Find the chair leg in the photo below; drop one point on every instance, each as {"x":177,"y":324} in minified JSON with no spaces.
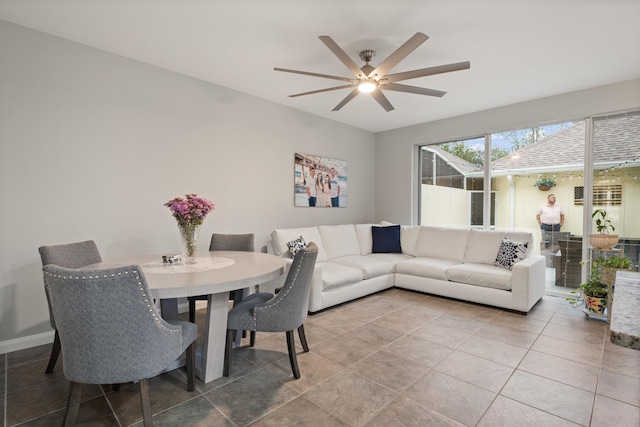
{"x":291,"y":346}
{"x":303,"y":338}
{"x":192,"y":310}
{"x":237,"y":296}
{"x":227,"y":352}
{"x":252,"y":338}
{"x":73,"y":404}
{"x":55,"y":352}
{"x":191,"y":362}
{"x":146,"y":403}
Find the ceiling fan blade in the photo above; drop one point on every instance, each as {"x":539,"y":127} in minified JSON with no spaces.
{"x":413,"y":89}
{"x":382,"y":100}
{"x":399,"y":54}
{"x":348,"y":98}
{"x":342,"y":55}
{"x":321,"y":90}
{"x":428,"y":71}
{"x":307,"y":73}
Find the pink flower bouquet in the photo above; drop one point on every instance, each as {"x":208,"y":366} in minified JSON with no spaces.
{"x":190,"y":211}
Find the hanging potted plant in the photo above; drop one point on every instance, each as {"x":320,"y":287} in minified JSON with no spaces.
{"x":603,"y":239}
{"x":593,"y":293}
{"x":545,"y":184}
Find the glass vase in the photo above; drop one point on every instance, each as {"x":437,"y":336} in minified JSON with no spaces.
{"x":189,"y":236}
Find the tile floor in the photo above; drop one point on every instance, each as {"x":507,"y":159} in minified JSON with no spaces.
{"x":397,"y":358}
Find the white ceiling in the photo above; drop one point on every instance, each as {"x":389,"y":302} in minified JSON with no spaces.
{"x":518,"y":49}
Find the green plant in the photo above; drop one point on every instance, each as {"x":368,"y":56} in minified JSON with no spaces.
{"x":614,"y":262}
{"x":603,"y":224}
{"x":545,"y":182}
{"x":591,"y":288}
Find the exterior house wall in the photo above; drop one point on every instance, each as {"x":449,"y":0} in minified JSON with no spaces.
{"x":528,"y":198}
{"x":453,"y":204}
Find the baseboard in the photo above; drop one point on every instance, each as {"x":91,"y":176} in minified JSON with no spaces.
{"x":26,"y":342}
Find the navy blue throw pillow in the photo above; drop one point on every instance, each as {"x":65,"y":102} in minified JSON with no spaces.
{"x":386,"y":239}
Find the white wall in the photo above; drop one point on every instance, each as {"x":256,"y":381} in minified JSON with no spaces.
{"x":396,"y":185}
{"x":92,"y":145}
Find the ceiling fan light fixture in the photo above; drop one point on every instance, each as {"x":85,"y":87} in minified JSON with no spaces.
{"x":367,"y":86}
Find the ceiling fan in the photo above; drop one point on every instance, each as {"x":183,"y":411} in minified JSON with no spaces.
{"x":372,"y":80}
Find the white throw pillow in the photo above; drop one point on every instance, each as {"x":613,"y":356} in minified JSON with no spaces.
{"x":339,"y":240}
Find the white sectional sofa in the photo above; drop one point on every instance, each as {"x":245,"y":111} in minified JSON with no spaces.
{"x":458,"y":263}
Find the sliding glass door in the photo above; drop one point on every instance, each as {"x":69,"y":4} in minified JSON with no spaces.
{"x":526,"y":166}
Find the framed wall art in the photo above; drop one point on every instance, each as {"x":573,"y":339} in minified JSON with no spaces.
{"x":319,"y":182}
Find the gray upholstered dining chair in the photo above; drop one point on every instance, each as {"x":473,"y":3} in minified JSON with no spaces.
{"x":72,"y":255}
{"x":284,"y":312}
{"x":225,"y":242}
{"x":111,"y":332}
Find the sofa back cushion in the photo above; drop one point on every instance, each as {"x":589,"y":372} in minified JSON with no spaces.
{"x":339,"y":240}
{"x":281,"y":236}
{"x":483,"y":245}
{"x":442,"y":243}
{"x":365,"y":240}
{"x":409,"y":237}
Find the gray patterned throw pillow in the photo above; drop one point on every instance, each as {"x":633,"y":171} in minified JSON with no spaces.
{"x":295,"y":245}
{"x":511,"y":253}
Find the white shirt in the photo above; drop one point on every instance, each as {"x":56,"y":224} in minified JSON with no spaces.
{"x":311,"y":184}
{"x":550,"y":214}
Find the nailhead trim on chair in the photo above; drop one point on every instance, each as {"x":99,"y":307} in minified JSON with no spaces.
{"x":255,"y":321}
{"x":141,"y":288}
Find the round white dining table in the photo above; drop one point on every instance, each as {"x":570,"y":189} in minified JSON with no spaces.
{"x":214,"y":275}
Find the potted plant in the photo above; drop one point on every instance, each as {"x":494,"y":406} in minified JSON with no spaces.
{"x":593,"y":293}
{"x":545,"y":184}
{"x":609,"y":266}
{"x":603,"y":239}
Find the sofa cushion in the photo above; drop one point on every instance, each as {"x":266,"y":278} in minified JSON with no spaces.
{"x":488,"y":276}
{"x":365,"y":240}
{"x":442,"y":243}
{"x":392,"y":258}
{"x":369,"y":266}
{"x":511,"y":253}
{"x":336,"y":275}
{"x":386,"y":239}
{"x":295,"y":246}
{"x":408,"y":238}
{"x":339,"y":240}
{"x":482,"y":246}
{"x":280,"y":237}
{"x":432,"y":268}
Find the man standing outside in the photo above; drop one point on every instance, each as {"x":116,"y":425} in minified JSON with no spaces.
{"x":335,"y":189}
{"x":550,"y":216}
{"x":311,"y":187}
